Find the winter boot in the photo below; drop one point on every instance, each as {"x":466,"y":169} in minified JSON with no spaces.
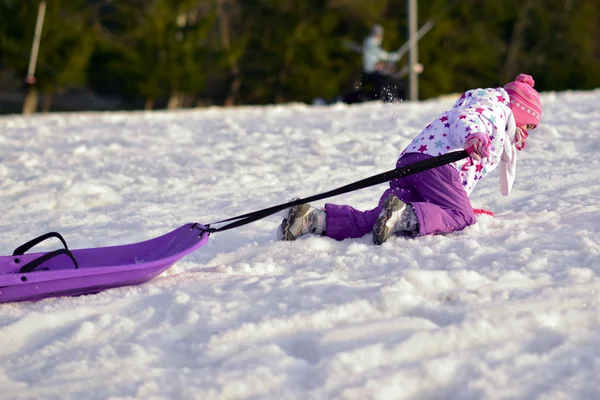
{"x":395,"y":216}
{"x":302,"y":220}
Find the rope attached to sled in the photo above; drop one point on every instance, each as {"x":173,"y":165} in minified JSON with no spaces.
{"x":415,"y":168}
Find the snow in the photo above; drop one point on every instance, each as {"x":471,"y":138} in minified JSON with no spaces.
{"x":507,"y":308}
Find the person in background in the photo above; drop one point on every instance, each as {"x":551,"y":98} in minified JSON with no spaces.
{"x":491,"y":124}
{"x":379,"y":67}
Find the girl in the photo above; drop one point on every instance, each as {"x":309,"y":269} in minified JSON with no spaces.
{"x":490,"y":124}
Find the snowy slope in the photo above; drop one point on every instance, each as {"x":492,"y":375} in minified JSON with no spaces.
{"x":507,"y":308}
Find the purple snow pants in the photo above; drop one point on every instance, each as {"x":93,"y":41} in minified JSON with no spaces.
{"x":436,"y":195}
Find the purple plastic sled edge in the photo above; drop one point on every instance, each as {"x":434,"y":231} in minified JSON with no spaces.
{"x":99,"y":269}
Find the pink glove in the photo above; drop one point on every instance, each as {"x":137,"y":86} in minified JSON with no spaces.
{"x":478,"y":145}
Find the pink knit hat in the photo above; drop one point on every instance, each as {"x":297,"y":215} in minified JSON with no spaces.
{"x":524,"y":100}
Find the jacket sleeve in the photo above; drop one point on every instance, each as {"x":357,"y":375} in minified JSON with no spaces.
{"x":464,"y":124}
{"x":372,"y":55}
{"x":383,"y":55}
{"x":375,"y":51}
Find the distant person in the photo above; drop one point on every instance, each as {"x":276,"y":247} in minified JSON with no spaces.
{"x":491,"y":124}
{"x":378,"y":68}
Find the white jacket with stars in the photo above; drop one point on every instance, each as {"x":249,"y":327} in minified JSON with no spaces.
{"x":477,"y":110}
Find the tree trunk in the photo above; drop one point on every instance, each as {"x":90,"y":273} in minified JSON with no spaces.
{"x":288,"y":59}
{"x":31,"y":101}
{"x":148,"y":104}
{"x":175,"y":100}
{"x":236,"y":82}
{"x":281,"y":78}
{"x":516,"y":42}
{"x":234,"y":89}
{"x":47,"y":102}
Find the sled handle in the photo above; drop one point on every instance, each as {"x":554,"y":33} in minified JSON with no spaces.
{"x":31,"y":266}
{"x":19,"y":251}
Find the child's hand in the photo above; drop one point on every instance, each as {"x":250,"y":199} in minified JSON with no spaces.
{"x":478,"y":145}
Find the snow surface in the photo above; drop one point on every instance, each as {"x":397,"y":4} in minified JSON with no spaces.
{"x":507,"y":308}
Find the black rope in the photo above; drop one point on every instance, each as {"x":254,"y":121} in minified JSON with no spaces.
{"x":417,"y":167}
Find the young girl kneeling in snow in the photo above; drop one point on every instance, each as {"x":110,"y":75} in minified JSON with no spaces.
{"x":490,"y":124}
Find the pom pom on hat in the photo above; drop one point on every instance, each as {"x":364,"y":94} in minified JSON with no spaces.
{"x":524,"y":78}
{"x":524,"y":100}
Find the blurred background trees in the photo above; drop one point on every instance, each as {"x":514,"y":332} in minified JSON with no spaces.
{"x":182,"y":53}
{"x":68,"y":42}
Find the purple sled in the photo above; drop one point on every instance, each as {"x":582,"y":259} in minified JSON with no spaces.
{"x":97,"y":268}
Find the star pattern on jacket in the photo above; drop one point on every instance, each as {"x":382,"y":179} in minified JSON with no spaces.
{"x":477,"y":110}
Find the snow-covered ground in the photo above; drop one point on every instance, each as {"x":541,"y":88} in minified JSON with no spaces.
{"x":507,"y":308}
